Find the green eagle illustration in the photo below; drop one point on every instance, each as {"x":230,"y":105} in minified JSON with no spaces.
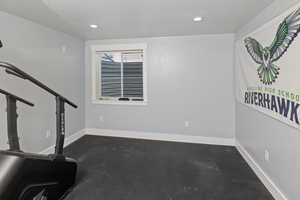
{"x":265,"y":57}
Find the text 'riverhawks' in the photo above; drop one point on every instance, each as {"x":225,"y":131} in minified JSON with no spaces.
{"x":282,"y":106}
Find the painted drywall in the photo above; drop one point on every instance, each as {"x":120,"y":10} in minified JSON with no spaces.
{"x":189,"y":79}
{"x":258,"y":132}
{"x":55,"y":59}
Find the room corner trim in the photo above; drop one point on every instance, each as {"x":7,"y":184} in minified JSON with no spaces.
{"x":264,"y":178}
{"x":161,"y":137}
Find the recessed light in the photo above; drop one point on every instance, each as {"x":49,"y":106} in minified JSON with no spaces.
{"x":197,"y":19}
{"x":94,"y":26}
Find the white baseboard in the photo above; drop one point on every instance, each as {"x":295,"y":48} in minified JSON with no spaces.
{"x":161,"y":137}
{"x":264,"y":178}
{"x":68,"y":140}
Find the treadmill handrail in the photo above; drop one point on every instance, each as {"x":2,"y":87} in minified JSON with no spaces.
{"x":11,"y":69}
{"x":16,"y":97}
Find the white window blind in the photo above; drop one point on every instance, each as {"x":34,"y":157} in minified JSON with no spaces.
{"x":110,"y":73}
{"x":121,"y":75}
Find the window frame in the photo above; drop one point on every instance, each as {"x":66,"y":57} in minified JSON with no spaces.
{"x":95,"y":49}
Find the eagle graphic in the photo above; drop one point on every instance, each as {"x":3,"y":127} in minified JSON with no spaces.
{"x":265,"y":57}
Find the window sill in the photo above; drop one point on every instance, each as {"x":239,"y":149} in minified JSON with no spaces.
{"x":126,"y":103}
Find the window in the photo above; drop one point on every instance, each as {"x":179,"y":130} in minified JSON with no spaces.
{"x":119,"y":74}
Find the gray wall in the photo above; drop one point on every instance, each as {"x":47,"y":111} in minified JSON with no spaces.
{"x":258,"y":132}
{"x":189,"y":79}
{"x":38,"y":51}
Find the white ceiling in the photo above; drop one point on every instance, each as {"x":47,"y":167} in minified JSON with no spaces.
{"x":137,"y":18}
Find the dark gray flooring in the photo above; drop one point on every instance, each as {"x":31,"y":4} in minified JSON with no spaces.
{"x":129,"y":169}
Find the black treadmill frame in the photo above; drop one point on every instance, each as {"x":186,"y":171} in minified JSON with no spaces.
{"x":60,"y":111}
{"x":12,"y":127}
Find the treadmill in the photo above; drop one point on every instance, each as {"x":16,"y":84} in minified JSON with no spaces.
{"x":27,"y":176}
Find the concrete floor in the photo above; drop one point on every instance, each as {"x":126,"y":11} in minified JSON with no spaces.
{"x":129,"y":169}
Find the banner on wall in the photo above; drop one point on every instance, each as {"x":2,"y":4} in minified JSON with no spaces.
{"x":268,"y":68}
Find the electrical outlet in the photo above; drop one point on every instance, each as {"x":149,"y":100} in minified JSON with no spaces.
{"x":267,"y":155}
{"x":186,"y":123}
{"x":48,"y":133}
{"x":101,"y":118}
